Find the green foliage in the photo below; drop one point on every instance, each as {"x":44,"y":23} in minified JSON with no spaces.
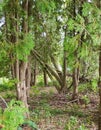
{"x":86,"y":99}
{"x":94,"y":83}
{"x":73,"y":124}
{"x":10,"y":95}
{"x":7,"y":85}
{"x":43,"y":112}
{"x":1,"y":8}
{"x":56,"y":111}
{"x":88,"y":87}
{"x":24,"y":47}
{"x":36,"y":90}
{"x":5,"y":51}
{"x":75,"y":111}
{"x":30,"y":124}
{"x":40,"y":82}
{"x":46,"y":6}
{"x":46,"y":110}
{"x":13,"y":115}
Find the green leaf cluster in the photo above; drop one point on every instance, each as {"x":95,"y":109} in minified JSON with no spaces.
{"x":13,"y":115}
{"x":46,"y":6}
{"x":24,"y":47}
{"x":5,"y":50}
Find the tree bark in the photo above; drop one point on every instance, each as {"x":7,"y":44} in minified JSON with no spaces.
{"x":28,"y":79}
{"x":75,"y":83}
{"x":45,"y":77}
{"x":35,"y":73}
{"x":22,"y":84}
{"x":64,"y":85}
{"x":23,"y":66}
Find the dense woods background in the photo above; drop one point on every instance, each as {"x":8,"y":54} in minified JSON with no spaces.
{"x":52,"y":44}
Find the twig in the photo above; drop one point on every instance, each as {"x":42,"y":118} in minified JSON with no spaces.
{"x":4,"y":101}
{"x":72,"y":101}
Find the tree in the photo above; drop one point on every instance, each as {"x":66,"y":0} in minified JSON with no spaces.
{"x":90,"y":19}
{"x":19,"y":38}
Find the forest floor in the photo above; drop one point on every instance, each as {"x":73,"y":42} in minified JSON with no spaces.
{"x":53,"y":111}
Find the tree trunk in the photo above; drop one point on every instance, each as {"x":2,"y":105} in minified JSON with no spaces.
{"x":45,"y":77}
{"x":23,"y":66}
{"x":48,"y":68}
{"x":76,"y":60}
{"x":18,"y":78}
{"x":64,"y":68}
{"x":28,"y":79}
{"x":22,"y":84}
{"x":18,"y":67}
{"x":55,"y":64}
{"x":64,"y":85}
{"x":34,"y":75}
{"x":75,"y":83}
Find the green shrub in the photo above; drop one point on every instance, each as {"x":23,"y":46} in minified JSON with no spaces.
{"x":7,"y":85}
{"x":94,"y":84}
{"x":86,"y":99}
{"x":13,"y":115}
{"x":90,"y":86}
{"x":9,"y":95}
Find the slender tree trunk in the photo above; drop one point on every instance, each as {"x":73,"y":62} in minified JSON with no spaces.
{"x":64,"y":85}
{"x":77,"y":60}
{"x":28,"y":79}
{"x":17,"y":77}
{"x":45,"y":77}
{"x":75,"y":83}
{"x":64,"y":75}
{"x":34,"y":75}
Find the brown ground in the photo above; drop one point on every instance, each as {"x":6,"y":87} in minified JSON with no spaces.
{"x":85,"y":110}
{"x":54,"y":110}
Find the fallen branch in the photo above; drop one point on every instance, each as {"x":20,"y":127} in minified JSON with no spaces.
{"x":72,"y":101}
